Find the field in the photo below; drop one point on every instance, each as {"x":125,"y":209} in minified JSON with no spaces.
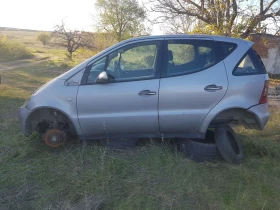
{"x":82,"y":175}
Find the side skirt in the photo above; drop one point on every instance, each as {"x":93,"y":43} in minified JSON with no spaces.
{"x":159,"y":135}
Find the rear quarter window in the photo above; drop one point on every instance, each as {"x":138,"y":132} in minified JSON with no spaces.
{"x":250,"y":64}
{"x":224,"y":49}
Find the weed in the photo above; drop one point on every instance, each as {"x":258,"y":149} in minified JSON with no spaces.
{"x":12,"y":50}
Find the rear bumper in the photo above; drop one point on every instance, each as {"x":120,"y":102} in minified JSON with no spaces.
{"x":23,"y":116}
{"x":262,"y":114}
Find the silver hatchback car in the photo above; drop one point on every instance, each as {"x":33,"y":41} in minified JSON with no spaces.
{"x":156,"y":86}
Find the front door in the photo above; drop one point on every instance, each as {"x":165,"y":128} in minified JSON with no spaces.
{"x":193,"y":83}
{"x":128,"y":103}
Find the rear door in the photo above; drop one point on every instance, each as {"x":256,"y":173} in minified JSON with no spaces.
{"x":192,"y":84}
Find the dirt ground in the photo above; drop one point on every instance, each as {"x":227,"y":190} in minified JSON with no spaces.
{"x":14,"y":64}
{"x":274,"y":101}
{"x":21,"y":63}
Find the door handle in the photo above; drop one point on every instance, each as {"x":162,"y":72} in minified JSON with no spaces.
{"x":146,"y":93}
{"x":213,"y":87}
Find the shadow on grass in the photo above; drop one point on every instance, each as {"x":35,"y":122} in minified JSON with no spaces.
{"x":150,"y":176}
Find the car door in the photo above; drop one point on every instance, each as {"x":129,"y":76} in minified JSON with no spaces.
{"x":128,"y":103}
{"x":193,"y":83}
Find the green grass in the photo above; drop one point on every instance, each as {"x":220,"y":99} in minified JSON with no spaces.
{"x":79,"y":176}
{"x":13,"y":50}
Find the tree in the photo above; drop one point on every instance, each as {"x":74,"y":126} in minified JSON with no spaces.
{"x":121,"y":18}
{"x":225,"y":17}
{"x":72,"y":39}
{"x":177,"y":24}
{"x":44,"y":37}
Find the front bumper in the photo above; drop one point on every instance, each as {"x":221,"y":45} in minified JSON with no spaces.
{"x":262,"y":114}
{"x":23,"y":117}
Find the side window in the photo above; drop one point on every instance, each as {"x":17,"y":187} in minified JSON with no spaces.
{"x":180,"y":53}
{"x":136,"y":61}
{"x":224,"y":49}
{"x":95,"y":69}
{"x":185,"y":57}
{"x":250,"y":64}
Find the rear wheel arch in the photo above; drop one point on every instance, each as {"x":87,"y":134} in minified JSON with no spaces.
{"x":41,"y":117}
{"x":235,"y":116}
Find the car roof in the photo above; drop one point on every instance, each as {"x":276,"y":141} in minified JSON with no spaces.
{"x":185,"y":36}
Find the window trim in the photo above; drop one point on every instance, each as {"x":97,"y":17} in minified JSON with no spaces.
{"x":182,"y":41}
{"x":220,"y":57}
{"x":88,"y":68}
{"x":253,"y":62}
{"x":158,"y":63}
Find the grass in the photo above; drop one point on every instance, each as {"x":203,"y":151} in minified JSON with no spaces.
{"x":13,"y":50}
{"x":156,"y":176}
{"x":80,"y":176}
{"x":16,"y":45}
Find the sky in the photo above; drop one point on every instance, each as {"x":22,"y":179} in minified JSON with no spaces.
{"x":44,"y":15}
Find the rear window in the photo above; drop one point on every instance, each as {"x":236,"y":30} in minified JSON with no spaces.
{"x":250,"y":64}
{"x":224,"y":49}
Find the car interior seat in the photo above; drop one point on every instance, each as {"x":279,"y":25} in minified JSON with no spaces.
{"x":201,"y":61}
{"x":171,"y":64}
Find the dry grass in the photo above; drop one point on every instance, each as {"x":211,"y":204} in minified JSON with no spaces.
{"x":13,"y":50}
{"x":27,"y":40}
{"x":156,"y":176}
{"x":87,"y":176}
{"x":274,"y":80}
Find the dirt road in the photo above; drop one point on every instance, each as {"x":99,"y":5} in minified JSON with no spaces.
{"x":14,"y":64}
{"x":21,"y":63}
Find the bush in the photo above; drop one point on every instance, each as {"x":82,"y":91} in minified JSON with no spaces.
{"x":12,"y":50}
{"x":44,"y":37}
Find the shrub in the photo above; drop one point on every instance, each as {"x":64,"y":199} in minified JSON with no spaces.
{"x":44,"y":37}
{"x":12,"y":50}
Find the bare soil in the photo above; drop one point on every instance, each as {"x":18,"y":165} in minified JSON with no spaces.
{"x":21,"y":63}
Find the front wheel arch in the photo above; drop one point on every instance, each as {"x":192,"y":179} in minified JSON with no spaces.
{"x":45,"y":115}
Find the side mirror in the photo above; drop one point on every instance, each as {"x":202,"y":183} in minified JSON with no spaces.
{"x":102,"y":78}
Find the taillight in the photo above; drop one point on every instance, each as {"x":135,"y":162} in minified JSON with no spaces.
{"x":263,"y":98}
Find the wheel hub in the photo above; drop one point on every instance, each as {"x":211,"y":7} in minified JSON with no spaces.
{"x":54,"y":138}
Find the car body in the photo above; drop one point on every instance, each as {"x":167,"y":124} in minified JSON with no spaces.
{"x":155,"y":86}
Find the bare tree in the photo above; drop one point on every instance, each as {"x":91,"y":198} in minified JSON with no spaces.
{"x":227,"y":17}
{"x":72,"y":39}
{"x":178,"y":24}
